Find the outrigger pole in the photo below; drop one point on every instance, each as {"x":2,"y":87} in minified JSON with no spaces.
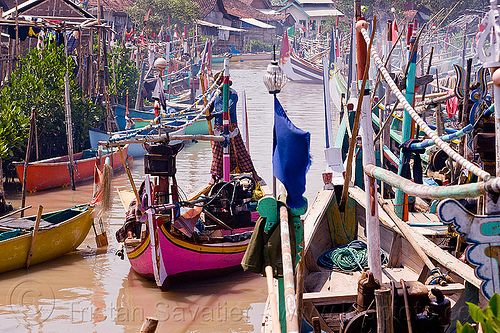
{"x":226,"y":157}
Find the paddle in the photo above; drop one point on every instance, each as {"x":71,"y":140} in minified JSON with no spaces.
{"x":33,"y":235}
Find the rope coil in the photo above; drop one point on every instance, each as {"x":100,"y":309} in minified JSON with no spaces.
{"x":420,"y":122}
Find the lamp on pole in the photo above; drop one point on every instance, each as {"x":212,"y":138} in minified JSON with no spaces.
{"x":274,"y":80}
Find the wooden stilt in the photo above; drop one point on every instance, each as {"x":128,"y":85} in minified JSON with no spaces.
{"x":27,"y":159}
{"x":383,"y":300}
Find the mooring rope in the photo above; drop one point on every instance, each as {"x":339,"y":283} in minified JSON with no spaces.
{"x":420,"y":122}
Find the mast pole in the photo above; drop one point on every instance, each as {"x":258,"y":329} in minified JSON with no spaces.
{"x":226,"y":160}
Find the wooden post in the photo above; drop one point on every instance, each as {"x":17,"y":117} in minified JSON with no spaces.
{"x":138,"y":98}
{"x":464,"y":50}
{"x":383,"y":300}
{"x":245,"y":120}
{"x":205,"y":102}
{"x":129,"y":175}
{"x":292,"y":320}
{"x":33,"y":235}
{"x":401,"y":203}
{"x":69,"y":132}
{"x":27,"y":158}
{"x":372,"y":220}
{"x":273,"y":302}
{"x":17,"y":45}
{"x":226,"y":161}
{"x":149,"y":325}
{"x":385,"y":132}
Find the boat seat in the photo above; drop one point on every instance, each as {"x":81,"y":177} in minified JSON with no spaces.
{"x":24,"y":224}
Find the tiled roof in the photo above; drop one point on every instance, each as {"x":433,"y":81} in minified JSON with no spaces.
{"x":117,"y":6}
{"x":206,"y":7}
{"x":240,"y":9}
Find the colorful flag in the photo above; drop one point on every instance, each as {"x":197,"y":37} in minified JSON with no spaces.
{"x":285,"y":49}
{"x":395,"y":32}
{"x":291,"y":159}
{"x":146,"y":18}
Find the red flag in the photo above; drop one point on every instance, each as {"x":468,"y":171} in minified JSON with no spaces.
{"x":395,"y":32}
{"x":146,"y":18}
{"x":285,"y":48}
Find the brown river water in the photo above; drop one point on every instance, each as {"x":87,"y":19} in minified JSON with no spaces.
{"x":93,"y":290}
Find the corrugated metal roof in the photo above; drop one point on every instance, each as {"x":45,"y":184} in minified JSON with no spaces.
{"x":218,"y":26}
{"x":322,"y":11}
{"x":257,"y":23}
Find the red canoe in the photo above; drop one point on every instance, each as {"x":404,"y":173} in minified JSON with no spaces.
{"x":53,"y":172}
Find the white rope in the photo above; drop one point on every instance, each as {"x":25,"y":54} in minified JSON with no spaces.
{"x":423,"y":126}
{"x":202,"y":112}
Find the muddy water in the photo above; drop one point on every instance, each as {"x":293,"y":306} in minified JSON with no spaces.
{"x":94,"y":290}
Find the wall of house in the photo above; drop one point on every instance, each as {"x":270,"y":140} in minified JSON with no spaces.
{"x":217,"y":17}
{"x":267,"y":36}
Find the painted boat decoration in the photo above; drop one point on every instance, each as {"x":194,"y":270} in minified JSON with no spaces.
{"x":60,"y":232}
{"x":53,"y":172}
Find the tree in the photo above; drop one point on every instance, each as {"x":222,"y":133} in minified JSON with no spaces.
{"x":162,"y":12}
{"x":126,"y":74}
{"x":13,"y":133}
{"x":39,"y":82}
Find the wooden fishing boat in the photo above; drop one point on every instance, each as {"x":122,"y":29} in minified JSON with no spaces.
{"x":60,"y":232}
{"x":187,"y":257}
{"x":134,"y":149}
{"x":251,"y":56}
{"x":53,"y":172}
{"x":296,"y":68}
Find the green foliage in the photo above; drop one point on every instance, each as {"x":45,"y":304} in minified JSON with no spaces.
{"x":14,"y":127}
{"x":489,"y":317}
{"x":127,"y":75}
{"x":39,"y":82}
{"x":181,"y":12}
{"x":258,"y":46}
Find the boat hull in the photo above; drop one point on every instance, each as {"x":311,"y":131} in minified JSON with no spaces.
{"x":300,"y":70}
{"x":54,"y":172}
{"x":50,"y":243}
{"x":181,"y":257}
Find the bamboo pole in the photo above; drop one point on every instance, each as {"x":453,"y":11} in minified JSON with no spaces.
{"x":292,"y":320}
{"x":15,"y":212}
{"x":372,"y":220}
{"x":226,"y":162}
{"x":205,"y":102}
{"x":355,"y":128}
{"x":33,"y":235}
{"x":69,"y":132}
{"x":27,"y":159}
{"x":273,"y":303}
{"x":165,"y":137}
{"x":129,"y":175}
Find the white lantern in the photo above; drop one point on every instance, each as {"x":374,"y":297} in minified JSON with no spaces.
{"x":274,"y":79}
{"x":160,"y":64}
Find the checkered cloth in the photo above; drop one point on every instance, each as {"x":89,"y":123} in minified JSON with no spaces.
{"x":238,"y":154}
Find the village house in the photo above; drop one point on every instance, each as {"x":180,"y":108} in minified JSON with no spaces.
{"x":237,"y":23}
{"x":309,"y":15}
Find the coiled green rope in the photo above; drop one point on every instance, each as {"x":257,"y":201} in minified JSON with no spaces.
{"x":349,"y":258}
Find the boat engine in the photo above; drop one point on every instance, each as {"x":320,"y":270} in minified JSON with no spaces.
{"x":232,"y":202}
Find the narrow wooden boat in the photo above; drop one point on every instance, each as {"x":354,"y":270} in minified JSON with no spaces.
{"x":134,"y":149}
{"x":53,"y":172}
{"x":249,"y":56}
{"x":296,"y":68}
{"x":186,"y":257}
{"x":60,"y":232}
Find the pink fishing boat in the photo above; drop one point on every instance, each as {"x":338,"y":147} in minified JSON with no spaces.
{"x":207,"y":237}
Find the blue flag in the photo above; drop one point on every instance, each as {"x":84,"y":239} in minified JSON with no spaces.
{"x":291,"y":159}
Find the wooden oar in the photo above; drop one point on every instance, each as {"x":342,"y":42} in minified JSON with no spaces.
{"x":33,"y":235}
{"x":129,"y":175}
{"x":15,"y":212}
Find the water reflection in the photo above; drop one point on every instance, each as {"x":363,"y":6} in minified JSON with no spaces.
{"x":94,"y":291}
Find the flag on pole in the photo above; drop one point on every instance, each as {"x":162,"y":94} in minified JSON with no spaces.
{"x":291,"y":159}
{"x":395,"y":32}
{"x":146,"y":17}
